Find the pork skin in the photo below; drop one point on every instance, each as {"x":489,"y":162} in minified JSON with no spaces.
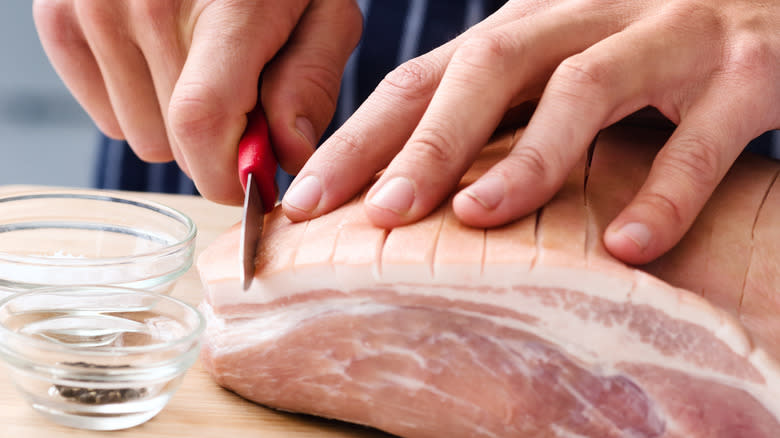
{"x":528,"y":330}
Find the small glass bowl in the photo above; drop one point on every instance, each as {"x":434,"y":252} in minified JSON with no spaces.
{"x":100,"y":358}
{"x":89,"y":238}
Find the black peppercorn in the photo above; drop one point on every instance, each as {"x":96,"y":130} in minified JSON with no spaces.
{"x":98,"y":396}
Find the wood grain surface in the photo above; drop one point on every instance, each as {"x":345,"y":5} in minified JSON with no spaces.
{"x":199,"y":408}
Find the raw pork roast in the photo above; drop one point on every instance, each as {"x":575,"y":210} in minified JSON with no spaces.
{"x":528,"y":330}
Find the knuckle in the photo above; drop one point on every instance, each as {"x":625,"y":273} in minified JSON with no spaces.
{"x":432,"y":145}
{"x":324,"y":81}
{"x":579,"y":72}
{"x":194,"y":109}
{"x":53,"y":16}
{"x":347,"y":144}
{"x":155,"y":20}
{"x":344,"y":17}
{"x":485,"y":51}
{"x":98,"y":17}
{"x":529,"y":161}
{"x":689,"y":15}
{"x":277,"y":32}
{"x":696,"y":159}
{"x":151,"y":10}
{"x":412,"y":80}
{"x":754,"y":57}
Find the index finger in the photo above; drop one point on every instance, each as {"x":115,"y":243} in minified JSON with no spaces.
{"x":486,"y":74}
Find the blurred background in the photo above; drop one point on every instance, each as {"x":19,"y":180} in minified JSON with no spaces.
{"x":45,"y":136}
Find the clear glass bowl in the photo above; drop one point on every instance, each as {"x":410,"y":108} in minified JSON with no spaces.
{"x":88,"y":238}
{"x":101,"y":358}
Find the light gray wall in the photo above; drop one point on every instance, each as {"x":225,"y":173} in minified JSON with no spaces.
{"x":45,"y":136}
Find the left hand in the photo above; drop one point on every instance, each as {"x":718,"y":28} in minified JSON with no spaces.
{"x":176,"y":78}
{"x":710,"y":66}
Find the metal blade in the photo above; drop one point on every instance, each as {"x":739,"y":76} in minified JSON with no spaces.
{"x":251,"y":230}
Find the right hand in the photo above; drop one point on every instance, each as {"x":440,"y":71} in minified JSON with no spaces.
{"x":710,"y":67}
{"x":176,"y":78}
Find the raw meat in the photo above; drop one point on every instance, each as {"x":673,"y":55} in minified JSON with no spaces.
{"x":528,"y":330}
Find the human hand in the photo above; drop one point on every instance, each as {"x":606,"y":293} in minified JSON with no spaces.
{"x":710,"y":67}
{"x":176,"y":78}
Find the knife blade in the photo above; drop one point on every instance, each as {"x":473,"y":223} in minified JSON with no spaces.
{"x":257,"y":171}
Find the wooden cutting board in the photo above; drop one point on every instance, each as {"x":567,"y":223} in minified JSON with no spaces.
{"x":199,"y":408}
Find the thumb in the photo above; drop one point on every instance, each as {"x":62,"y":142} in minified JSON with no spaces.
{"x":228,"y":45}
{"x":300,"y":86}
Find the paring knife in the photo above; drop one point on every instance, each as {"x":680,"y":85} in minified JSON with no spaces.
{"x":257,"y":171}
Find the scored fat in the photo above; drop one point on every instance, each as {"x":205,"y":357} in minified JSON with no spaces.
{"x":527,"y":330}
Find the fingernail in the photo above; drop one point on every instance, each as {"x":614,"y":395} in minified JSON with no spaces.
{"x":305,"y":195}
{"x":638,"y":233}
{"x":306,"y":129}
{"x":488,"y":191}
{"x":397,"y":195}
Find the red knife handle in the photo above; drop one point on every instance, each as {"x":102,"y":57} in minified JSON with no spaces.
{"x":255,"y":156}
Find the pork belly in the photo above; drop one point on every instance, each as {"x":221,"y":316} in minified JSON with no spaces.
{"x":527,"y":330}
